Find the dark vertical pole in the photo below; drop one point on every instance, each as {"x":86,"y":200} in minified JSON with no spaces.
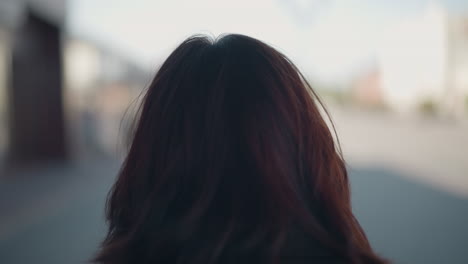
{"x":37,"y":130}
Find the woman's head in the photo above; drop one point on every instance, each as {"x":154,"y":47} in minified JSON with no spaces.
{"x":230,"y":153}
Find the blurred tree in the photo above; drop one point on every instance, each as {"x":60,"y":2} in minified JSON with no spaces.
{"x":428,"y":107}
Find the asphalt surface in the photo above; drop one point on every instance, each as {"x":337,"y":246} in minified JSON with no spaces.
{"x":54,"y":215}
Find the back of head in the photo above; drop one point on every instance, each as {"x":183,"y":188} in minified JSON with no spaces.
{"x":229,"y":159}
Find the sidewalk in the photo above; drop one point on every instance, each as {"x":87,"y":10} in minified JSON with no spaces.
{"x":29,"y":195}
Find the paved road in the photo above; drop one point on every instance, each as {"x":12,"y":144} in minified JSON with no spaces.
{"x":59,"y":219}
{"x":409,"y":222}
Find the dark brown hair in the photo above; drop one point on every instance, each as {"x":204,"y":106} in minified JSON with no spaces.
{"x":230,"y":155}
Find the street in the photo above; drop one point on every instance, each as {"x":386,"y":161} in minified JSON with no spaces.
{"x":54,"y":214}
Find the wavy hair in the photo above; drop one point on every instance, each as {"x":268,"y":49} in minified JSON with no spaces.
{"x":231,"y":162}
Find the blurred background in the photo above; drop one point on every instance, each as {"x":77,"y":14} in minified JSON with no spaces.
{"x":394,"y":75}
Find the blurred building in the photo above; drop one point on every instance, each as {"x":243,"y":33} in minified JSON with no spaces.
{"x":32,"y":109}
{"x":59,"y":94}
{"x":367,"y":90}
{"x":456,"y":93}
{"x":423,"y":59}
{"x":101,"y":85}
{"x":4,"y":61}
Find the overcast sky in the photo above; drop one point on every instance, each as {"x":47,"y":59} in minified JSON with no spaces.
{"x":327,"y":38}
